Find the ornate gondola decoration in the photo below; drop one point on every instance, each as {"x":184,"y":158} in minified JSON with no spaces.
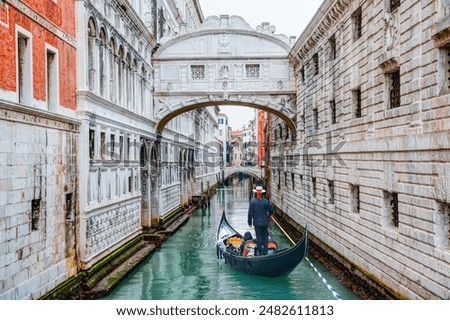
{"x":239,"y":253}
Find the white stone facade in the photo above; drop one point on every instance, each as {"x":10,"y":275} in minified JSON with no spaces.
{"x":38,"y":200}
{"x":372,"y":86}
{"x":132,"y":173}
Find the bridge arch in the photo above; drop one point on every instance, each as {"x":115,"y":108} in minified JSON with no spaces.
{"x":255,"y":172}
{"x":224,"y":62}
{"x":259,"y":103}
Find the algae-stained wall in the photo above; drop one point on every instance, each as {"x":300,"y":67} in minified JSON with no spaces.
{"x":370,"y":171}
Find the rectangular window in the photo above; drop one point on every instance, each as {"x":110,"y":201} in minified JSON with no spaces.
{"x":121,"y":146}
{"x":330,"y":192}
{"x":394,"y":89}
{"x":357,"y":24}
{"x":354,"y":199}
{"x":198,"y":72}
{"x":315,"y":59}
{"x":315,"y":119}
{"x":392,"y":201}
{"x":443,"y":70}
{"x":69,"y":206}
{"x":130,"y":184}
{"x":35,"y":213}
{"x":52,"y":81}
{"x":302,"y":74}
{"x":293,"y":181}
{"x":252,"y":71}
{"x":301,"y":182}
{"x":91,"y":144}
{"x":24,"y":69}
{"x":332,"y":111}
{"x":279,"y":180}
{"x":356,"y":103}
{"x":103,"y":144}
{"x":313,"y":187}
{"x":112,"y":148}
{"x":127,"y":149}
{"x":443,"y":225}
{"x":332,"y":45}
{"x":394,"y":4}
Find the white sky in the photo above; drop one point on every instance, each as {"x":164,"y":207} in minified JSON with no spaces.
{"x":290,"y":17}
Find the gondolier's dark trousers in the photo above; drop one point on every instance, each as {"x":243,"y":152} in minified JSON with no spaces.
{"x":262,"y":238}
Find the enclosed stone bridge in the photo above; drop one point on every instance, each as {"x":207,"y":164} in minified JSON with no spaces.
{"x":224,"y":62}
{"x":249,"y":170}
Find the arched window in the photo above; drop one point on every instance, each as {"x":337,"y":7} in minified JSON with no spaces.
{"x":92,"y":32}
{"x":112,"y":70}
{"x":128,"y":93}
{"x":102,"y":62}
{"x":120,"y":75}
{"x":133,"y":85}
{"x":143,"y":89}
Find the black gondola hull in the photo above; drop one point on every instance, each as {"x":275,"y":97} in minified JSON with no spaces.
{"x":281,"y":262}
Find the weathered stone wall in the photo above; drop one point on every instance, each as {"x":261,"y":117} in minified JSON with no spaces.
{"x":383,"y":200}
{"x":38,"y":201}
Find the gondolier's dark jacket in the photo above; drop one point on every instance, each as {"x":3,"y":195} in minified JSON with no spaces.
{"x":259,"y":211}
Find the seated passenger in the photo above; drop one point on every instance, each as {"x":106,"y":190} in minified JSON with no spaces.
{"x":248,"y":236}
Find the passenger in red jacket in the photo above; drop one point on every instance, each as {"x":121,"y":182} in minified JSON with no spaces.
{"x":258,"y":215}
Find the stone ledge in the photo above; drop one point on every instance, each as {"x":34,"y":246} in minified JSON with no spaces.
{"x":107,"y":284}
{"x":19,"y":113}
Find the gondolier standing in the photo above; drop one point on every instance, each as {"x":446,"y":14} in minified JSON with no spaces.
{"x":258,"y":215}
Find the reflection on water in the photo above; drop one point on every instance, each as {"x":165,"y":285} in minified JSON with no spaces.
{"x":186,"y":265}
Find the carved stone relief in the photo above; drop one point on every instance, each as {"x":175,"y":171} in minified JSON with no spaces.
{"x":390,"y":31}
{"x":224,"y":44}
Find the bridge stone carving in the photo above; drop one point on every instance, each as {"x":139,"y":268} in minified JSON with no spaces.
{"x":224,"y":62}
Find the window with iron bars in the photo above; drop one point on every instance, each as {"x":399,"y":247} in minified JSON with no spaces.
{"x":394,"y":4}
{"x":443,"y":225}
{"x":392,"y":199}
{"x":354,"y":199}
{"x":35,"y":213}
{"x":313,"y":186}
{"x":333,"y":111}
{"x":394,"y":89}
{"x":330,"y":192}
{"x":315,"y":119}
{"x":357,"y":24}
{"x":357,"y":102}
{"x":332,"y":44}
{"x":447,"y":65}
{"x":302,"y":74}
{"x":315,"y":60}
{"x":252,"y":71}
{"x":197,"y":72}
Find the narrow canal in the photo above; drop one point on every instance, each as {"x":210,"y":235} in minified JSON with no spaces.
{"x":186,"y":266}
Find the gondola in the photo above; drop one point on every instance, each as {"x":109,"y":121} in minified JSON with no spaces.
{"x":240,"y":255}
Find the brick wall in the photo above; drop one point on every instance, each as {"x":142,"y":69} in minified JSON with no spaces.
{"x":46,"y":27}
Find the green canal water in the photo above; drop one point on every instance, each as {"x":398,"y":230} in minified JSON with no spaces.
{"x":186,"y":266}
